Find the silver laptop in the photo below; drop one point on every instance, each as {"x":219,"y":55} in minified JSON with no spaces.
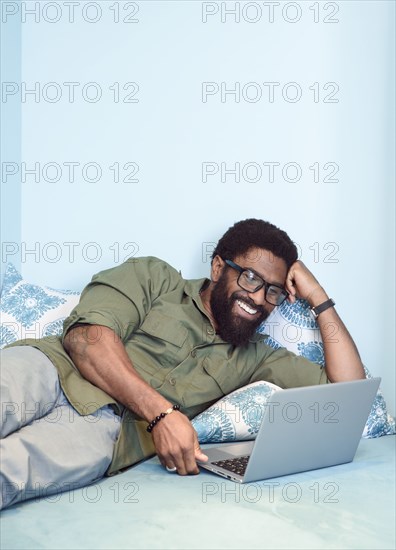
{"x":302,"y":429}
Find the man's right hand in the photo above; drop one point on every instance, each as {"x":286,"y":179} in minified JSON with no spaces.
{"x":176,"y":443}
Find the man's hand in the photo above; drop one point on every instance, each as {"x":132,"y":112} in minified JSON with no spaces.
{"x":177,"y":444}
{"x":300,"y":283}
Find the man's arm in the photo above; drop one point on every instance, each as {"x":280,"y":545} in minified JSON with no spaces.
{"x":101,"y":358}
{"x":341,"y":355}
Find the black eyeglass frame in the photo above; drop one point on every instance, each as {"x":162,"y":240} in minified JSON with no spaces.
{"x":264,"y":283}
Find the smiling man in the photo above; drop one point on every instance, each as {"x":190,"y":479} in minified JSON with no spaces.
{"x":144,"y":352}
{"x":237,"y":315}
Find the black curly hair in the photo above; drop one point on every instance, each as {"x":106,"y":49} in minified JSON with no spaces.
{"x":252,"y":233}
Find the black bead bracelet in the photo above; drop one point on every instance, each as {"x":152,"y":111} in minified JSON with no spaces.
{"x":161,"y":416}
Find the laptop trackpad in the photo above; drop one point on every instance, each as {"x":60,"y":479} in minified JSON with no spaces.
{"x":227,"y":451}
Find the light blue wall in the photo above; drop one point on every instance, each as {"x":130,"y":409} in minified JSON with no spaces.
{"x":10,"y":142}
{"x":345,"y":228}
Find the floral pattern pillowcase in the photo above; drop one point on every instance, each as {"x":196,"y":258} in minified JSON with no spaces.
{"x":32,"y":311}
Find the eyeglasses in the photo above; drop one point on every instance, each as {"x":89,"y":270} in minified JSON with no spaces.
{"x":251,"y":282}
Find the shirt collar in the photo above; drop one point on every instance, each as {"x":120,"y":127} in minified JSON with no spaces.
{"x":193,"y":288}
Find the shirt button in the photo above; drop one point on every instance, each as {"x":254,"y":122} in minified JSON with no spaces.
{"x":193,"y":353}
{"x":210,"y":330}
{"x":172,"y":381}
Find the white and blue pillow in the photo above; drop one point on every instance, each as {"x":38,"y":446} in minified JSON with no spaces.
{"x":235,"y":417}
{"x":292,"y":326}
{"x":32,"y":311}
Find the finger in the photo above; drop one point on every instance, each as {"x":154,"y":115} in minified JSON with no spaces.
{"x":200,"y":456}
{"x":169,"y":465}
{"x":198,"y":453}
{"x":166,"y":460}
{"x":291,"y":289}
{"x":177,"y":460}
{"x":189,"y":462}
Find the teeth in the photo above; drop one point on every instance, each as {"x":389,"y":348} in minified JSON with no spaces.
{"x":245,"y":307}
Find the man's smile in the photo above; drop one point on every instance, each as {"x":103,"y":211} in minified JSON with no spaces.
{"x":245,"y":307}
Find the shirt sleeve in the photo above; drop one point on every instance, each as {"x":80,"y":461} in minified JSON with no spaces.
{"x":120,"y":298}
{"x":287,"y":370}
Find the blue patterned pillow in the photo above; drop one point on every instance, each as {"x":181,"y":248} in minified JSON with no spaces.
{"x":236,"y":416}
{"x":32,"y":311}
{"x":292,"y":326}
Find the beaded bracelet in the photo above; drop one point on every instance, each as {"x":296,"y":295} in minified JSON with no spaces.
{"x":162,"y":415}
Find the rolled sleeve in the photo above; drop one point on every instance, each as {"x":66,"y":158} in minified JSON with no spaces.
{"x":120,"y":298}
{"x":105,"y":306}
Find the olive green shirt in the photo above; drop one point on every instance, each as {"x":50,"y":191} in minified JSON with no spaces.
{"x":160,"y":318}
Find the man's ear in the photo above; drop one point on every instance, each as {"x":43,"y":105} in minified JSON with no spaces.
{"x":217,"y":268}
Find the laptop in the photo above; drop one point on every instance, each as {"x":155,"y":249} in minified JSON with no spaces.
{"x":302,"y":429}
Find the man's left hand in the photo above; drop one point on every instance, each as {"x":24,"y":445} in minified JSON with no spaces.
{"x":300,"y":283}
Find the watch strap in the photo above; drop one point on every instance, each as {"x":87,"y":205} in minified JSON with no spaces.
{"x":322,"y":307}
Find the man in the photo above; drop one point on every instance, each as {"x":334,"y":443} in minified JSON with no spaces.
{"x":152,"y":349}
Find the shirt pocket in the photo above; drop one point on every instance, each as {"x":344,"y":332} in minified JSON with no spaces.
{"x":164,"y":337}
{"x":223,"y":373}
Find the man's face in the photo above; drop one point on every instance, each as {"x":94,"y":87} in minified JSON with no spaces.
{"x":237,"y":312}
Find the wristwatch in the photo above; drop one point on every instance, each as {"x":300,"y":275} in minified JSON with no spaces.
{"x":317,"y":310}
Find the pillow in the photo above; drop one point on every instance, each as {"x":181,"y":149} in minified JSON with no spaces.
{"x":292,"y":326}
{"x":237,"y":416}
{"x":32,"y":311}
{"x":379,"y":421}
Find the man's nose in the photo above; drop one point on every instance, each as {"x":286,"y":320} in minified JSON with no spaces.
{"x":258,"y":297}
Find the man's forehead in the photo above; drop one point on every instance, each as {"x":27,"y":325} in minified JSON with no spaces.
{"x":264,"y":263}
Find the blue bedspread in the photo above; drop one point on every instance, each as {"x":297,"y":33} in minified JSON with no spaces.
{"x":351,"y":506}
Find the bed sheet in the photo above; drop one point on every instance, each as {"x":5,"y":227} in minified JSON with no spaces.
{"x":351,"y":506}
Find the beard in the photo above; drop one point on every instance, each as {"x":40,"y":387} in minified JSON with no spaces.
{"x":232,"y":328}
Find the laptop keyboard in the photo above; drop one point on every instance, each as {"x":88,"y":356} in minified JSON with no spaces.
{"x":235,"y":465}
